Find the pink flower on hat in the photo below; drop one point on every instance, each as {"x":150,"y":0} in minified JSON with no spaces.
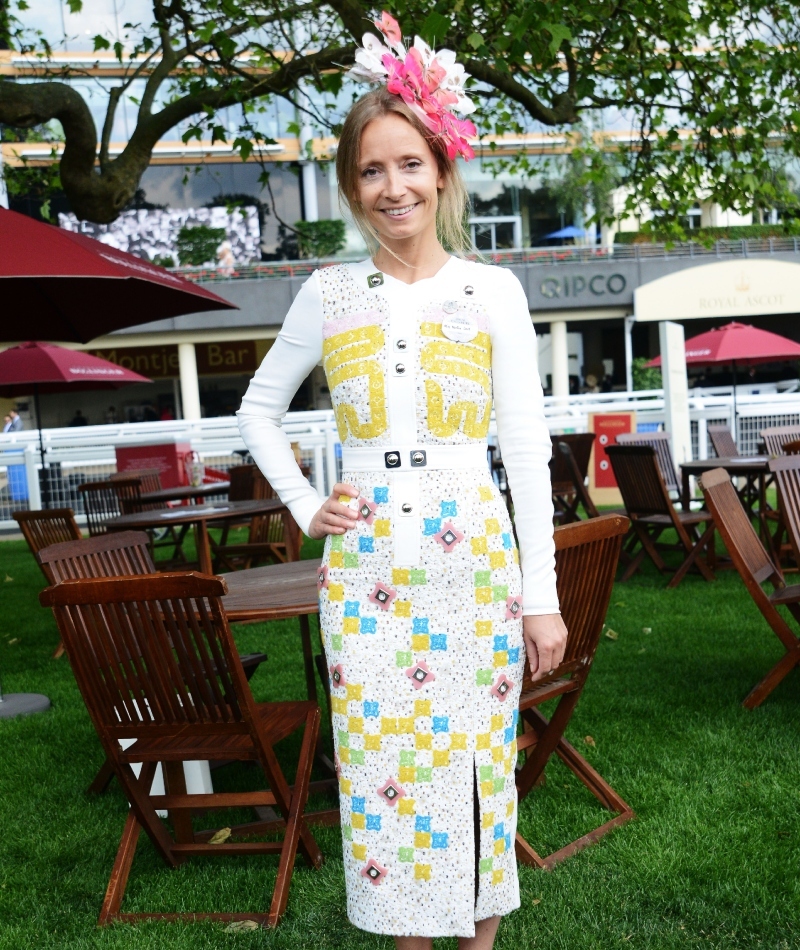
{"x":431,"y":83}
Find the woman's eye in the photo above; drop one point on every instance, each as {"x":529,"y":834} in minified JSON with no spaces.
{"x":413,"y":166}
{"x":369,"y":173}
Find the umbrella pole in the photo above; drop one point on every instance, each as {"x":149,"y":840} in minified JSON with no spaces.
{"x":45,"y":478}
{"x":735,"y":421}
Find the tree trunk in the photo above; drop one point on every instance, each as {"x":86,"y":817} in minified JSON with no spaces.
{"x":94,"y":194}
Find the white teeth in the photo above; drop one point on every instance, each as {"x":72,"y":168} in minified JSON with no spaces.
{"x":396,"y":211}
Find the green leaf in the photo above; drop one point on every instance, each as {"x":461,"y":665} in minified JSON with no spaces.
{"x":475,"y":40}
{"x":100,"y":42}
{"x":118,"y":50}
{"x":559,"y":33}
{"x":75,"y":6}
{"x":434,"y":28}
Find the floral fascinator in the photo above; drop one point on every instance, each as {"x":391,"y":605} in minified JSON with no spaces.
{"x":430,"y":83}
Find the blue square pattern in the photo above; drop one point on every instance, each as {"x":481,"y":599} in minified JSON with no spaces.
{"x":441,"y":724}
{"x":508,"y":842}
{"x":438,"y":839}
{"x":515,"y":718}
{"x":438,"y":641}
{"x":371,"y":709}
{"x":506,"y":540}
{"x":366,"y":545}
{"x":423,"y":823}
{"x":449,"y":509}
{"x":499,"y":830}
{"x":373,"y":822}
{"x":432,"y":525}
{"x":508,"y":734}
{"x":500,"y":643}
{"x":419,"y":625}
{"x":351,"y":608}
{"x":513,"y":656}
{"x":380,"y":495}
{"x":369,"y":624}
{"x":357,"y":805}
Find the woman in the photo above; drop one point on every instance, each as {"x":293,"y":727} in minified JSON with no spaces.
{"x":424,"y":619}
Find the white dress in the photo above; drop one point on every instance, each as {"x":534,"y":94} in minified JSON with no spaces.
{"x":421,"y":602}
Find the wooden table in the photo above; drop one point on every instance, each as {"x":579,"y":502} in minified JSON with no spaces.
{"x":752,"y":467}
{"x":277,"y":592}
{"x":199,"y":516}
{"x":185,"y":492}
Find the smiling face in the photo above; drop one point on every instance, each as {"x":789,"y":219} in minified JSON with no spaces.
{"x":398,"y":181}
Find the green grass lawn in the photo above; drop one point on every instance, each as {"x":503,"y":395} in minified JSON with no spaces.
{"x":712,"y":860}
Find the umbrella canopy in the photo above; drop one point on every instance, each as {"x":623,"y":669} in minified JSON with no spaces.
{"x":67,"y":286}
{"x":570,"y":231}
{"x":737,"y":343}
{"x":45,"y":368}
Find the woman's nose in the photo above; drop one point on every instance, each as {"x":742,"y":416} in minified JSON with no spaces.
{"x":395,"y":186}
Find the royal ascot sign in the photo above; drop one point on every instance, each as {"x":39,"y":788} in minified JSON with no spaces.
{"x":576,"y":286}
{"x":735,"y":289}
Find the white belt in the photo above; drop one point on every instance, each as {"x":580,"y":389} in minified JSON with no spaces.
{"x":406,"y":462}
{"x":414,"y":458}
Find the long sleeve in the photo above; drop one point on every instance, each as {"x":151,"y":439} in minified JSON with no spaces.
{"x":524,"y":441}
{"x":293,"y":355}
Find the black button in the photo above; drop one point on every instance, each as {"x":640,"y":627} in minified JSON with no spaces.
{"x":392,"y":459}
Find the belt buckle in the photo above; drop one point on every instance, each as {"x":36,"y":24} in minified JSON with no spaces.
{"x":419,"y":458}
{"x":391,"y":459}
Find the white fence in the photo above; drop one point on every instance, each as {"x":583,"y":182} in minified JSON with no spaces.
{"x":84,"y":454}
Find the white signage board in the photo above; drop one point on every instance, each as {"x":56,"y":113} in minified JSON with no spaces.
{"x":730,"y":289}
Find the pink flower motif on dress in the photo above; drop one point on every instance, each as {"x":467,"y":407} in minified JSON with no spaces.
{"x":420,"y":675}
{"x":449,"y":536}
{"x":337,"y":676}
{"x":391,"y":791}
{"x":373,"y":871}
{"x":322,"y":577}
{"x":513,"y":607}
{"x":366,"y":510}
{"x":382,"y":596}
{"x":502,"y":687}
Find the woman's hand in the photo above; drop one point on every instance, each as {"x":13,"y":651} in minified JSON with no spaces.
{"x":545,"y":642}
{"x":334,"y":517}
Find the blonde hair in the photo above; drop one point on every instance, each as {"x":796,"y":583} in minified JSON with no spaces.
{"x":453,"y":197}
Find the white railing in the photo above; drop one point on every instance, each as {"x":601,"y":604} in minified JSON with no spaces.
{"x":87,"y":453}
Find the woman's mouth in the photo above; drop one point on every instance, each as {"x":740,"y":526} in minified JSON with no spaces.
{"x":395,"y":213}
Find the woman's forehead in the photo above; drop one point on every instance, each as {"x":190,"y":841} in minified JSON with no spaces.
{"x":390,"y":135}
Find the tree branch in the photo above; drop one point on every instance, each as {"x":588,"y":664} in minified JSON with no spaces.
{"x":563,"y":110}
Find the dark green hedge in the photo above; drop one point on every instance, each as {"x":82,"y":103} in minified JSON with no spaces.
{"x":746,"y":232}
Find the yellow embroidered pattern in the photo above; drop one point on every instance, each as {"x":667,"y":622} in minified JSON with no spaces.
{"x":471,"y":361}
{"x":346,"y":356}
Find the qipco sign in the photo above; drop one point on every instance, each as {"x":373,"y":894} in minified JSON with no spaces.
{"x":600,"y":285}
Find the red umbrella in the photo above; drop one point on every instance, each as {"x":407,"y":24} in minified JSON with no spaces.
{"x":44,"y":368}
{"x":66,"y":286}
{"x":737,"y":343}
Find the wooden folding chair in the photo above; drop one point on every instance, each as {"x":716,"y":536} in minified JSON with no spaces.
{"x":755,"y":567}
{"x":586,"y":560}
{"x":722,"y":441}
{"x":651,"y":512}
{"x":100,"y":503}
{"x":115,"y":554}
{"x":776,"y":437}
{"x":184,"y":697}
{"x":569,"y":482}
{"x":659,"y":442}
{"x":42,"y":528}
